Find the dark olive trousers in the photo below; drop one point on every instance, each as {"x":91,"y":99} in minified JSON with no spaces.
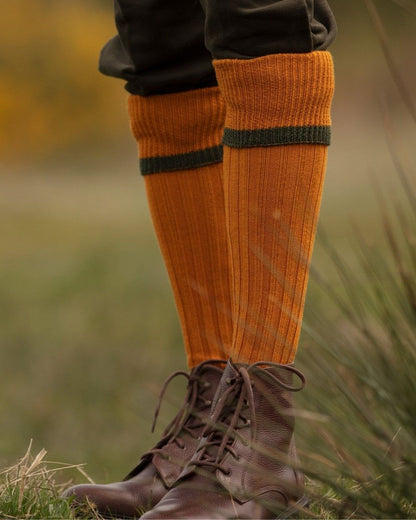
{"x":168,"y":45}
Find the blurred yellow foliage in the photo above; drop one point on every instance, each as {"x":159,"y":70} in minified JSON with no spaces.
{"x":54,"y":102}
{"x":51,"y":95}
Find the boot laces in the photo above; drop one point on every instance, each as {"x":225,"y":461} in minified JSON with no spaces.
{"x":189,"y":416}
{"x":230,"y":415}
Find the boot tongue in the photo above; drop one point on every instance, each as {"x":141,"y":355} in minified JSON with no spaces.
{"x":229,"y":373}
{"x":221,"y":399}
{"x":208,"y":446}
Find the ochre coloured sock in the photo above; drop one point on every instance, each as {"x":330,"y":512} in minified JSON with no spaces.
{"x":276,"y":135}
{"x":179,"y":137}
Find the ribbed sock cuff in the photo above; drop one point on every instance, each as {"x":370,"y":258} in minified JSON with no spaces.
{"x":178,"y":131}
{"x":277,"y":99}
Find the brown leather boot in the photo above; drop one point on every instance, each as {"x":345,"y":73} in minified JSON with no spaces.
{"x":160,"y":467}
{"x":245,"y":464}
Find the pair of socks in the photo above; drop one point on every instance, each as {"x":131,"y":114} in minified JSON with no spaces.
{"x":234,"y":178}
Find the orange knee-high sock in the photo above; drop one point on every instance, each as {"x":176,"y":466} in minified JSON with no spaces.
{"x":179,"y":137}
{"x":276,"y":134}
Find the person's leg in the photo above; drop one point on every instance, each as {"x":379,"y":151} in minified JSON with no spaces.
{"x":278,"y":89}
{"x":276,"y":136}
{"x":177,"y":116}
{"x":246,"y":29}
{"x":159,"y":47}
{"x":179,"y":138}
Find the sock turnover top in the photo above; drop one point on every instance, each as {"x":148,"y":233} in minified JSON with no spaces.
{"x":178,"y":131}
{"x":277,"y":99}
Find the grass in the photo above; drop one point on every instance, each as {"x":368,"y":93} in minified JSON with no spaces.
{"x":356,"y":429}
{"x":356,"y":426}
{"x":362,"y":375}
{"x":89,"y":330}
{"x":85,"y":313}
{"x":29,"y":489}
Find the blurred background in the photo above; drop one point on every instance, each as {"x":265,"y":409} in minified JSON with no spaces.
{"x":88,"y":329}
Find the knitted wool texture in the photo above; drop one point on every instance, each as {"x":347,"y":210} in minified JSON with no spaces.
{"x":179,"y":137}
{"x":276,"y":134}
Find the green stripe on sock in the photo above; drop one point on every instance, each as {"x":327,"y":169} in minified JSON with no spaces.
{"x":183,"y":161}
{"x":277,"y":136}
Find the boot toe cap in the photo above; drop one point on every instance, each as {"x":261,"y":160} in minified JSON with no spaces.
{"x":108,"y":499}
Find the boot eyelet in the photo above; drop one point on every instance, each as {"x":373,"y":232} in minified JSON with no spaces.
{"x":227,"y":472}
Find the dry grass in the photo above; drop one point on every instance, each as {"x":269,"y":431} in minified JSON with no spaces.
{"x":31,"y":489}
